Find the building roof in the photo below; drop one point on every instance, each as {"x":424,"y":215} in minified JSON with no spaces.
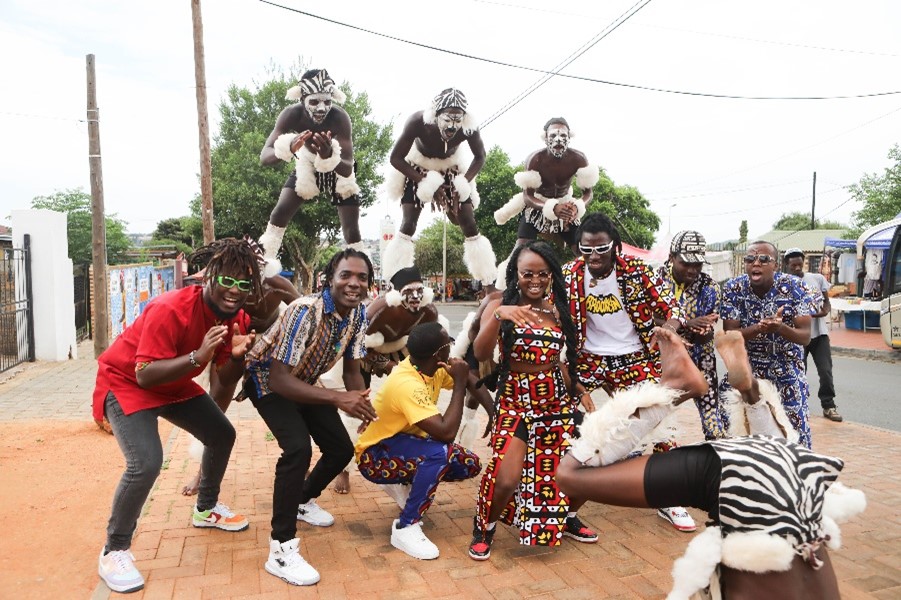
{"x":808,"y":240}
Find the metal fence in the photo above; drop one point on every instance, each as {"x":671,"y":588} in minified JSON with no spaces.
{"x":16,"y":317}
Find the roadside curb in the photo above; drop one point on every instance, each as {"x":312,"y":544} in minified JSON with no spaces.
{"x":889,"y":356}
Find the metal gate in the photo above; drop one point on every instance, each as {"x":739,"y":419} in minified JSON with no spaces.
{"x":16,"y":316}
{"x":81,"y":286}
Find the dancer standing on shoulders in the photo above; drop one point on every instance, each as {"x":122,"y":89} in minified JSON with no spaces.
{"x":315,"y":136}
{"x":430,"y":168}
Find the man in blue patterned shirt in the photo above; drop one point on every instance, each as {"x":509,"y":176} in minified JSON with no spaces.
{"x":772,"y":311}
{"x":284,"y":365}
{"x":699,"y":298}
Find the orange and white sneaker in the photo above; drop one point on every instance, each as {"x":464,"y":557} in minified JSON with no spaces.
{"x":678,"y":518}
{"x":220,"y":517}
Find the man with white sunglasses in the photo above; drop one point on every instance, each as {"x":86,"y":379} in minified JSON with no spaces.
{"x":613,"y":299}
{"x":772,"y":311}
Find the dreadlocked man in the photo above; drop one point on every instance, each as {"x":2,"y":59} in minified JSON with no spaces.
{"x":315,"y":136}
{"x":148,"y":373}
{"x":431,"y":168}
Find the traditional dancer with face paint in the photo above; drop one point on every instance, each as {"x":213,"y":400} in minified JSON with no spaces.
{"x":431,"y":168}
{"x":546,"y":202}
{"x":315,"y":136}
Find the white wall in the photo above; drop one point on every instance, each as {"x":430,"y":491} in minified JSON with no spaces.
{"x":52,"y":288}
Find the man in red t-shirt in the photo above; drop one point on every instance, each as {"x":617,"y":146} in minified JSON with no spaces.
{"x":148,"y":373}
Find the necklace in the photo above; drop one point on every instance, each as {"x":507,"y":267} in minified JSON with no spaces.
{"x":593,"y":281}
{"x":539,"y":309}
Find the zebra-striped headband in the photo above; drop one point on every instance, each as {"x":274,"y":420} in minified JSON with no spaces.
{"x":449,"y":98}
{"x":316,"y":81}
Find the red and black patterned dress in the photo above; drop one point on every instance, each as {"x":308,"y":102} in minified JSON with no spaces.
{"x":536,"y":408}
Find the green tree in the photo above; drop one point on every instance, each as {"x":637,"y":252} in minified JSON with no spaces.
{"x":178,"y":229}
{"x":628,"y":208}
{"x":430,"y":250}
{"x":245,"y":192}
{"x":76,"y":203}
{"x":496,"y":186}
{"x":743,"y":232}
{"x":880,"y":195}
{"x":797,"y":221}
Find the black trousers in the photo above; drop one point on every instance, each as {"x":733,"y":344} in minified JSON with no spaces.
{"x":293,"y":424}
{"x":822,"y":357}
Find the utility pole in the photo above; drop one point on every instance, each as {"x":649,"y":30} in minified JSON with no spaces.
{"x":813,"y":204}
{"x":203,"y":127}
{"x":444,"y":260}
{"x":100,"y":332}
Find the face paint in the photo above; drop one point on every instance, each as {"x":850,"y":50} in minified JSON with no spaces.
{"x":412,"y":296}
{"x":450,"y":122}
{"x":318,"y":106}
{"x":557,"y":139}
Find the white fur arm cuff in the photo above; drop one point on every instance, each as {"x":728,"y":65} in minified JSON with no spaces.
{"x":374,"y":340}
{"x":586,"y":177}
{"x":426,"y":189}
{"x":548,"y":209}
{"x":580,"y":208}
{"x":528,"y":179}
{"x":327,"y":165}
{"x":282,"y":146}
{"x":464,"y":189}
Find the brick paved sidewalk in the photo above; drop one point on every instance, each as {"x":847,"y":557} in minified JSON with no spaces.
{"x":632,"y":560}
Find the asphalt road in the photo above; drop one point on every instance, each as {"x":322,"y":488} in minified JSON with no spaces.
{"x":867,"y":391}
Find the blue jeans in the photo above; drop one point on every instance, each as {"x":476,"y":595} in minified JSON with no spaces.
{"x":421,"y":462}
{"x":139,"y":439}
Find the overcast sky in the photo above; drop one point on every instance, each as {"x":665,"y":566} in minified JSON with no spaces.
{"x":705,"y":163}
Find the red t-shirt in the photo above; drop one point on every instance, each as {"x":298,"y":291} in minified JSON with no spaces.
{"x":171,"y":325}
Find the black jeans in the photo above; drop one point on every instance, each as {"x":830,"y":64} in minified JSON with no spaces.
{"x":139,"y":439}
{"x":822,"y":357}
{"x":292,"y":424}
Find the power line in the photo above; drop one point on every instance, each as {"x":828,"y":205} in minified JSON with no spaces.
{"x":726,"y":191}
{"x":613,"y":26}
{"x":759,"y":206}
{"x":580,"y":77}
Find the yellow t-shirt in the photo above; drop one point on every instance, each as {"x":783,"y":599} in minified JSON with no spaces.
{"x":406,"y":398}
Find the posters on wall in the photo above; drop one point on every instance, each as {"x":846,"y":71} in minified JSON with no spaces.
{"x":131,"y":287}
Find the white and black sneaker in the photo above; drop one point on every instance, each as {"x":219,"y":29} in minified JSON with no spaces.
{"x":314,"y":514}
{"x":285,"y":562}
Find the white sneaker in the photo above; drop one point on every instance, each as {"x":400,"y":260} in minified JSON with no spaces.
{"x":117,"y":570}
{"x":678,"y":518}
{"x":285,"y":562}
{"x":413,"y":541}
{"x":399,"y":491}
{"x":314,"y":514}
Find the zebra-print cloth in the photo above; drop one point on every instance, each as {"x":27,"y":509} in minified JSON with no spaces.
{"x":773,"y":486}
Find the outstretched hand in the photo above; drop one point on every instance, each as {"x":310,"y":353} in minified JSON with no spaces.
{"x":299,"y":140}
{"x":241,"y":344}
{"x":321,"y":144}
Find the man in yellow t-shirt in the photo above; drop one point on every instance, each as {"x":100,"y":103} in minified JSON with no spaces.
{"x":409,"y":448}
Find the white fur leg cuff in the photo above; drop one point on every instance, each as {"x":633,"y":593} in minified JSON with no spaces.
{"x":464,"y":189}
{"x":398,"y":255}
{"x":394,"y":298}
{"x":374,"y":340}
{"x":586,"y":177}
{"x":327,"y":165}
{"x":282,"y":147}
{"x":478,"y":255}
{"x":426,"y":189}
{"x":509,"y":210}
{"x":548,"y":209}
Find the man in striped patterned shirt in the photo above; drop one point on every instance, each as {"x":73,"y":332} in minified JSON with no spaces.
{"x":307,"y":340}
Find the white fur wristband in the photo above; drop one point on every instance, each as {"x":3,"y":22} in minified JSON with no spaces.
{"x":327,"y":165}
{"x":282,"y":147}
{"x":464,"y":189}
{"x":548,"y":209}
{"x":426,"y":189}
{"x":580,"y":208}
